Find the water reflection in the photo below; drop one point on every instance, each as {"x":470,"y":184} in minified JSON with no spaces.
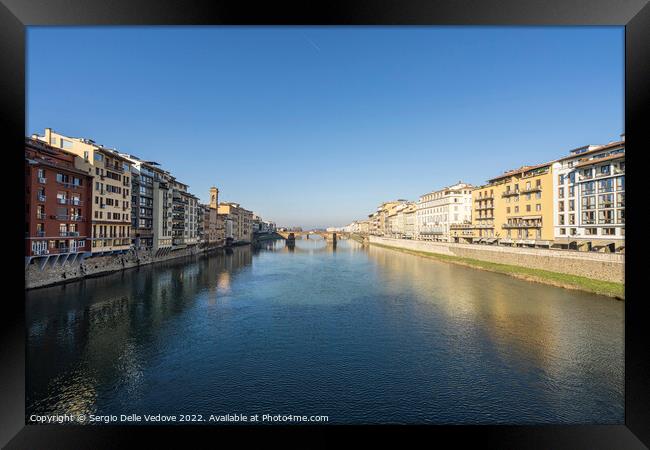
{"x":363,"y":335}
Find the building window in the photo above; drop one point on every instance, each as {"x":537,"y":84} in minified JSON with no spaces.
{"x":560,"y":192}
{"x":589,"y":217}
{"x":562,"y":231}
{"x":589,"y":202}
{"x":606,"y":200}
{"x":605,"y":185}
{"x":538,"y":207}
{"x":589,"y":188}
{"x":609,"y":231}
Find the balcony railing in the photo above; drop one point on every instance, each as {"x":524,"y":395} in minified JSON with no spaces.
{"x":40,"y":216}
{"x":522,"y":225}
{"x":41,"y":198}
{"x":42,"y":180}
{"x":62,"y":201}
{"x":76,"y":218}
{"x":40,"y":233}
{"x":510,"y":193}
{"x":485,"y":197}
{"x":531,"y":189}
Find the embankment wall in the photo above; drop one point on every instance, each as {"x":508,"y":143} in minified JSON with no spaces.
{"x":599,"y":266}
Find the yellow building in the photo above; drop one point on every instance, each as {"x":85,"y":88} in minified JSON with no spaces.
{"x":515,"y":208}
{"x":111,"y":221}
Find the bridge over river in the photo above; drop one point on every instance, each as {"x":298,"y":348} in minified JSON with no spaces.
{"x":327,"y":235}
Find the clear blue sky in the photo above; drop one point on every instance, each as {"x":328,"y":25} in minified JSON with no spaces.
{"x":315,"y":126}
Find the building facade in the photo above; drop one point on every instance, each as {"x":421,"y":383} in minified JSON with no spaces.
{"x":438,"y":210}
{"x":58,"y":205}
{"x":162,"y":212}
{"x":238,"y":222}
{"x":589,"y":204}
{"x":111,"y":205}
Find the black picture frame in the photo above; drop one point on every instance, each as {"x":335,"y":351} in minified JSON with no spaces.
{"x":15,"y":15}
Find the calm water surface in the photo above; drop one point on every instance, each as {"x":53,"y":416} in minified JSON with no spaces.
{"x":360,"y":335}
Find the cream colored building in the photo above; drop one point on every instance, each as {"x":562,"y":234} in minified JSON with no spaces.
{"x":438,"y":210}
{"x":111,"y":221}
{"x":238,"y":221}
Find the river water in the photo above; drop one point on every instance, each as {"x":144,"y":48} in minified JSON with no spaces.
{"x":361,"y":335}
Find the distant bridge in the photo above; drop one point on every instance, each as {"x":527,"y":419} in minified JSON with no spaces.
{"x":327,"y":235}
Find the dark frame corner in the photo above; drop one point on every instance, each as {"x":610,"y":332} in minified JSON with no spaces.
{"x":16,"y":15}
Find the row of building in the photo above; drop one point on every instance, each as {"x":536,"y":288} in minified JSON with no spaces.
{"x":574,"y":202}
{"x":83,"y":199}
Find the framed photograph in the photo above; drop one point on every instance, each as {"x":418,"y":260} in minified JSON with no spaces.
{"x":325,"y":218}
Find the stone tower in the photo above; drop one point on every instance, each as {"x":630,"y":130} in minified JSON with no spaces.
{"x":214,"y":197}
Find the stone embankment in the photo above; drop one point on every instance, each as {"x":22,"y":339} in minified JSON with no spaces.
{"x":35,"y":276}
{"x":608,"y":267}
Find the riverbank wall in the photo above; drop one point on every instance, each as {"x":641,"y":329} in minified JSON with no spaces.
{"x":52,"y":274}
{"x":598,"y":266}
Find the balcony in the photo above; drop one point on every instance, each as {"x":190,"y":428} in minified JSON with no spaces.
{"x":76,"y":202}
{"x":486,"y":197}
{"x":522,"y":225}
{"x":68,"y":185}
{"x":61,"y":217}
{"x":62,"y":201}
{"x":41,"y":198}
{"x":510,"y":193}
{"x":76,"y":218}
{"x":40,"y":234}
{"x":531,"y":189}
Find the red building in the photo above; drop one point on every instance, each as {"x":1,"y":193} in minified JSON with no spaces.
{"x":58,"y":201}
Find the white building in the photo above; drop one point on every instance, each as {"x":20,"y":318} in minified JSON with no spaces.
{"x":437,"y":210}
{"x":589,"y":200}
